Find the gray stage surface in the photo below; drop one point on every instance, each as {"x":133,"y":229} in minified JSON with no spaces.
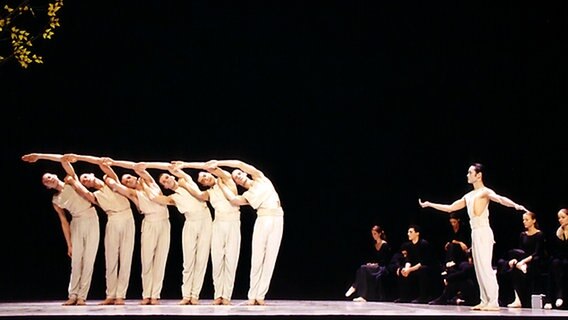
{"x":274,"y":309}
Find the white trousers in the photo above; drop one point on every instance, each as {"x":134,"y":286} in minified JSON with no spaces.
{"x":119,"y":247}
{"x":85,"y":235}
{"x":266,"y":238}
{"x":225,"y":249}
{"x":482,"y":242}
{"x":196,"y":246}
{"x":154,"y":245}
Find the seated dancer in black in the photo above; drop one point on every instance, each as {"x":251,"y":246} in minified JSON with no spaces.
{"x":418,"y":279}
{"x":460,"y":285}
{"x":457,"y":245}
{"x":370,"y":277}
{"x":524,"y":263}
{"x":558,"y":272}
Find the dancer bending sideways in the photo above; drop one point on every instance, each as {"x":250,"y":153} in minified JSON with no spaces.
{"x":477,"y":203}
{"x":81,"y":231}
{"x":268,"y":226}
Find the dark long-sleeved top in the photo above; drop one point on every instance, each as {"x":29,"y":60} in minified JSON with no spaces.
{"x":381,"y":256}
{"x":559,"y":247}
{"x":533,"y":245}
{"x":421,"y":252}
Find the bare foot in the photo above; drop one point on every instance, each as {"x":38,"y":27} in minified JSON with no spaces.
{"x":251,"y":302}
{"x":145,"y":301}
{"x":81,"y":302}
{"x":155,"y":301}
{"x":218,"y":301}
{"x":226,"y":301}
{"x":194,"y":301}
{"x":260,"y":302}
{"x":119,"y":302}
{"x":184,"y":301}
{"x":70,"y":302}
{"x":107,"y":301}
{"x":478,"y":307}
{"x":490,"y":308}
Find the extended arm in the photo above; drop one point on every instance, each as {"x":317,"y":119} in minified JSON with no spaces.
{"x":33,"y":157}
{"x":188,"y":165}
{"x":504,"y":200}
{"x":247,"y":168}
{"x":456,"y":205}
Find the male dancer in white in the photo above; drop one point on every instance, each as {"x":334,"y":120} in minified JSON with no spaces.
{"x":482,"y":240}
{"x":119,"y":230}
{"x":196,"y":233}
{"x":268,"y":227}
{"x":82,"y":234}
{"x":226,"y":235}
{"x":156,"y":228}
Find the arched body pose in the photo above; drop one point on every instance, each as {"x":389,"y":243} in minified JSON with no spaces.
{"x":268,"y":227}
{"x":196,"y":233}
{"x":226,"y":230}
{"x":82,"y":234}
{"x":482,"y":240}
{"x":119,"y":229}
{"x":156,"y":228}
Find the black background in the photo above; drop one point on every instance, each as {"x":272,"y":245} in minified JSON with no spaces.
{"x":354,"y":109}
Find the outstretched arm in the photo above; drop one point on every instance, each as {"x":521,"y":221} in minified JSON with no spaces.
{"x":247,"y":168}
{"x":456,"y":205}
{"x":188,"y":165}
{"x":33,"y":157}
{"x":504,"y":200}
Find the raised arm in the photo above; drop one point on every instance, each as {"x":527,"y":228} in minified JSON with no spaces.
{"x":140,"y":169}
{"x":234,"y":198}
{"x":116,"y":186}
{"x":456,"y":205}
{"x":247,"y":168}
{"x":81,"y":189}
{"x":66,"y":161}
{"x":105,"y":165}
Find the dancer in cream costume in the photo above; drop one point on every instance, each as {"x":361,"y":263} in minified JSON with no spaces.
{"x":119,"y":230}
{"x":82,"y":234}
{"x":268,"y":227}
{"x":226,"y":233}
{"x":156,"y":228}
{"x":196,"y":233}
{"x":482,"y":240}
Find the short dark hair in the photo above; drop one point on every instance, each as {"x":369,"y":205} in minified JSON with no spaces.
{"x":478,"y":167}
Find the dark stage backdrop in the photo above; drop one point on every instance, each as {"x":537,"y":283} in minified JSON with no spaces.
{"x":354,"y":109}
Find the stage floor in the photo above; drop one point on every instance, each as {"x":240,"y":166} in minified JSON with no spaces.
{"x":273,"y":309}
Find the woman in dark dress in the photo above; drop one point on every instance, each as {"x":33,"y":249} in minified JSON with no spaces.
{"x":370,"y":277}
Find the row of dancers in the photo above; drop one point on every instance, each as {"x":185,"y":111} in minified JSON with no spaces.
{"x":76,"y":196}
